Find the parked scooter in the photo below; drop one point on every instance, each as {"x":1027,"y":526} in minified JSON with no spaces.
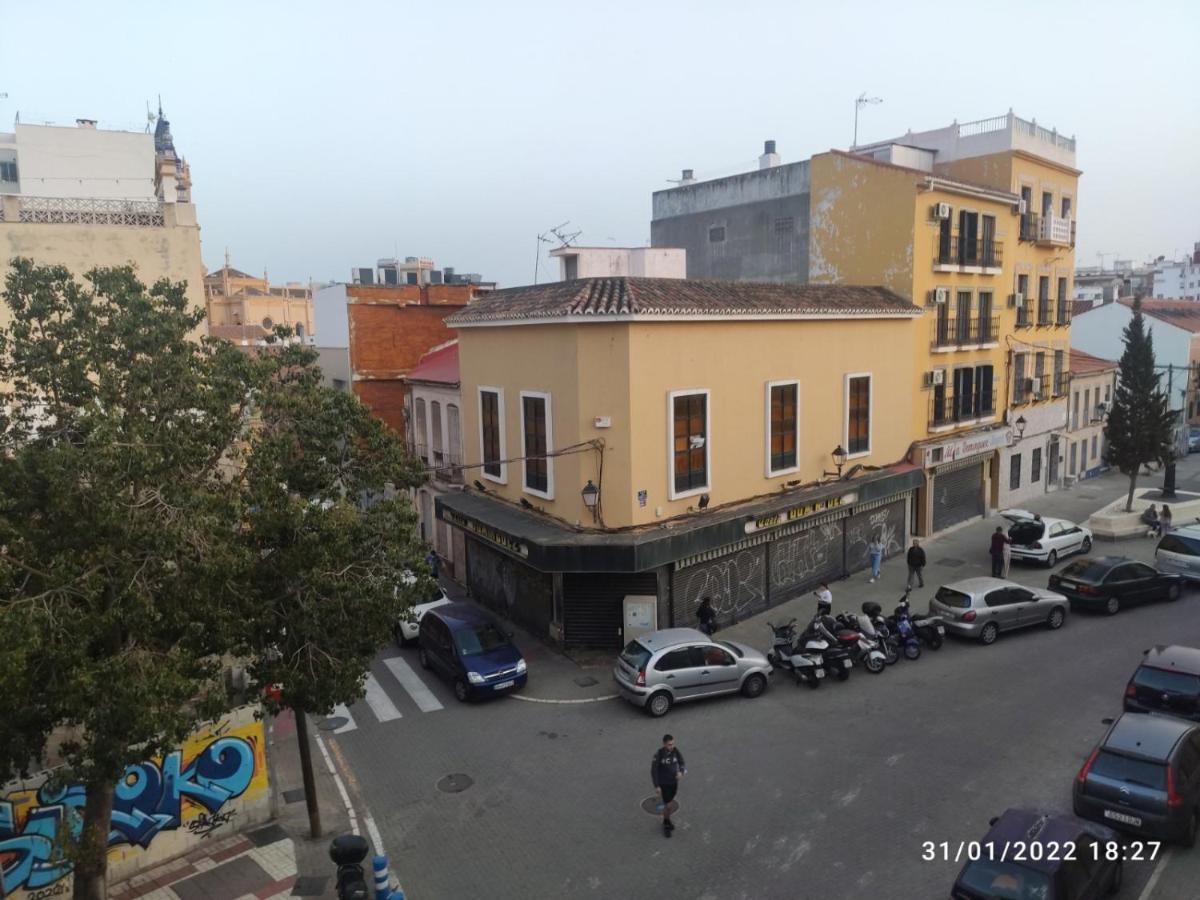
{"x":808,"y":667}
{"x":929,"y":629}
{"x":862,"y":647}
{"x":888,"y":643}
{"x":820,"y":642}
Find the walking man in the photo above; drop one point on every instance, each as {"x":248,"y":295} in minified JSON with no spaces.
{"x":916,"y":563}
{"x":999,"y":540}
{"x":667,"y":769}
{"x":875,"y":551}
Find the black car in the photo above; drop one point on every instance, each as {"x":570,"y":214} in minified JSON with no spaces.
{"x":1167,"y":681}
{"x":1042,"y":871}
{"x":1144,"y":777}
{"x":1111,"y":582}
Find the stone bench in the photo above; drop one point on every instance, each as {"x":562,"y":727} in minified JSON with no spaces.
{"x":1113,"y":523}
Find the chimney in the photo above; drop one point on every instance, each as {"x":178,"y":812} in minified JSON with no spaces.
{"x":769,"y":158}
{"x":86,"y":123}
{"x":689,"y":177}
{"x":1196,"y":254}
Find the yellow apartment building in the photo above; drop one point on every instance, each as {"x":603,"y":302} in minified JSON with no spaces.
{"x":245,"y":309}
{"x":633,"y":445}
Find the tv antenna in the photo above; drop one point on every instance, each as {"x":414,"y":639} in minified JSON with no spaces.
{"x":541,"y":239}
{"x":859,"y":102}
{"x":565,"y":237}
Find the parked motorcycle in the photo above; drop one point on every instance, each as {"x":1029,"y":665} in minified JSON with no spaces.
{"x":888,"y":642}
{"x":820,"y":642}
{"x":808,"y":667}
{"x":929,"y":629}
{"x":899,"y":626}
{"x":862,"y":649}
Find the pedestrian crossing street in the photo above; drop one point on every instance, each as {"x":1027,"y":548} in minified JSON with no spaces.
{"x":401,"y":685}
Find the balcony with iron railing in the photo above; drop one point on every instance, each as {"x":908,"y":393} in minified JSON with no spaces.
{"x":947,"y":409}
{"x":1045,"y":311}
{"x":1024,"y":312}
{"x":1060,"y":383}
{"x":449,"y":469}
{"x":951,"y":332}
{"x":1062,"y":314}
{"x":1030,"y":389}
{"x":956,"y":252}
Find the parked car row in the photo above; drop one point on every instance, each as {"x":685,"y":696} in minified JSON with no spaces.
{"x":1142,"y":779}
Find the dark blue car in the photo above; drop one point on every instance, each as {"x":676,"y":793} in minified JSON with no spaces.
{"x":1031,"y":855}
{"x":466,"y":645}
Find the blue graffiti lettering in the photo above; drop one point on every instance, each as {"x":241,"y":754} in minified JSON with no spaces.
{"x":148,"y":800}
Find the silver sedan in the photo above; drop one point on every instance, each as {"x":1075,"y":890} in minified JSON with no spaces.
{"x":673,"y":665}
{"x":983,"y":607}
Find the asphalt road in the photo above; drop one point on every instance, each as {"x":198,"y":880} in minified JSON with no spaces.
{"x":830,"y":793}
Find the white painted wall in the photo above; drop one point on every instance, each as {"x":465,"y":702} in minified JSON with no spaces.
{"x":55,"y":161}
{"x":1177,"y":281}
{"x":1099,"y":332}
{"x":332,"y":319}
{"x":1042,"y":421}
{"x":612,"y":262}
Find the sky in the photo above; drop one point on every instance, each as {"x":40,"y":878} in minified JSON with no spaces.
{"x":323,"y":136}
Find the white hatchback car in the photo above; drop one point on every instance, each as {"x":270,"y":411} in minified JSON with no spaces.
{"x":1045,"y":540}
{"x":407,"y":628}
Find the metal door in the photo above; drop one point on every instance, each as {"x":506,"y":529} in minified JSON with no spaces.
{"x":1052,"y":463}
{"x":735,"y":582}
{"x":957,"y":496}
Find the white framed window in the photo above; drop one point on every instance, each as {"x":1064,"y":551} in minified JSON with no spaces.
{"x":421,"y":441}
{"x":537,"y":440}
{"x":782,"y":423}
{"x":492,"y":451}
{"x":689,"y":447}
{"x":856,"y":428}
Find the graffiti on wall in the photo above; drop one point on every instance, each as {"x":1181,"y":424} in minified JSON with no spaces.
{"x":191,"y":789}
{"x":803,"y":559}
{"x":887,"y":522}
{"x":735,"y":583}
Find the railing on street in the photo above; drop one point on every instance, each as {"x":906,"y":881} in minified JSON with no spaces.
{"x":948,"y":408}
{"x":950,"y":331}
{"x":960,"y":252}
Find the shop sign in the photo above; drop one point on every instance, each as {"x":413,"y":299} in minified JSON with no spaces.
{"x":491,"y":535}
{"x":787,"y":516}
{"x":966,"y":446}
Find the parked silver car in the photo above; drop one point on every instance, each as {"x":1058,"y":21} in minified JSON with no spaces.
{"x":673,"y":665}
{"x":1179,"y":552}
{"x":983,"y":607}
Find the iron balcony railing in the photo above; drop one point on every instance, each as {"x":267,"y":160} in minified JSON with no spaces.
{"x":1045,"y":311}
{"x":449,"y":468}
{"x":1060,"y":384}
{"x":950,"y":331}
{"x":948,"y":408}
{"x":1030,"y":389}
{"x":1025,"y":313}
{"x":960,"y":252}
{"x":1063,"y":314}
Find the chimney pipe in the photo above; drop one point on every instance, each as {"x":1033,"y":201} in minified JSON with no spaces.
{"x":689,"y":176}
{"x":769,"y":158}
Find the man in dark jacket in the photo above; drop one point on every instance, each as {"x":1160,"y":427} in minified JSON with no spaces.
{"x":916,"y":563}
{"x":999,"y":539}
{"x":667,"y":768}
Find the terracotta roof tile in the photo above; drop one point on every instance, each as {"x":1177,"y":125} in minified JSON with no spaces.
{"x":1183,"y":314}
{"x":611,"y":298}
{"x":1085,"y":364}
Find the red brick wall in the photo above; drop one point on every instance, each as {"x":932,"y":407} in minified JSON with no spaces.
{"x":385,"y":399}
{"x":387,"y":341}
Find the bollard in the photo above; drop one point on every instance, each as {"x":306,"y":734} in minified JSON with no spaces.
{"x":382,"y":889}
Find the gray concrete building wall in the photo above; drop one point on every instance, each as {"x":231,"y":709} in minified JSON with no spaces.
{"x":748,"y":227}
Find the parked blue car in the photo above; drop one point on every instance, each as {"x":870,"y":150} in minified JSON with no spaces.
{"x":470,"y":648}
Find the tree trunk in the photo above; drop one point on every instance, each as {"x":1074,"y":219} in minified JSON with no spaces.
{"x":310,"y":785}
{"x":1132,"y":487}
{"x":91,"y":866}
{"x":1168,"y":488}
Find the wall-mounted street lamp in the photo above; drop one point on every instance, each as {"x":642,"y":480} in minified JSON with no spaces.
{"x":1020,"y":424}
{"x":839,"y":460}
{"x":591,"y":497}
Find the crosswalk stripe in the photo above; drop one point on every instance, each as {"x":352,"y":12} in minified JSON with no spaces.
{"x":382,"y":705}
{"x":340,"y":711}
{"x":412,"y":683}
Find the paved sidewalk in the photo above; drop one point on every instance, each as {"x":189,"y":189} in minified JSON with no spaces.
{"x":274,"y":861}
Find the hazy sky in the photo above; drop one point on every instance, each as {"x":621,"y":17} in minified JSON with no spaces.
{"x":326,"y":135}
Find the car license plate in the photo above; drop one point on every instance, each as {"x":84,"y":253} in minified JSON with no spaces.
{"x":502,"y":685}
{"x":1121,"y":817}
{"x":941,"y":629}
{"x":848,"y":663}
{"x":820,"y":673}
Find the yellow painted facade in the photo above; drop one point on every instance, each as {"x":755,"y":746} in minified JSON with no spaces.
{"x":627,"y":373}
{"x":243,"y":306}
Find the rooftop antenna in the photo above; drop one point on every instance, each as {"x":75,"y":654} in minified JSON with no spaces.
{"x":565,"y":237}
{"x":861,"y":101}
{"x":149,"y":117}
{"x":541,"y":239}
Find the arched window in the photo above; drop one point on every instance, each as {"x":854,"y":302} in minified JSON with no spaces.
{"x":453,"y":439}
{"x":421,"y":443}
{"x":435,"y":415}
{"x":300,"y":330}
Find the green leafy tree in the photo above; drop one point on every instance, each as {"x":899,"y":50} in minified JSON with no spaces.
{"x":1140,"y":424}
{"x":117,"y":559}
{"x":337,"y":557}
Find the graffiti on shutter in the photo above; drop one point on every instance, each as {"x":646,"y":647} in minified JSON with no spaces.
{"x":799,"y":561}
{"x":735,"y":583}
{"x":887,"y":522}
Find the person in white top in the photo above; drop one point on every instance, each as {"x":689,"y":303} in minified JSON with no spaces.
{"x":823,"y":594}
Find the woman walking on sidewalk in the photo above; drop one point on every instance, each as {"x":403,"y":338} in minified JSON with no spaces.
{"x":875,"y":551}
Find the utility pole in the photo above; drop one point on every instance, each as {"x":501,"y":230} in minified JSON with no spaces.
{"x":859,"y":102}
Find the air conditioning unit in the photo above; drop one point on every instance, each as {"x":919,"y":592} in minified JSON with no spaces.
{"x":1030,"y":385}
{"x":935,"y":377}
{"x":941,"y":211}
{"x":940,"y":295}
{"x":1022,"y":206}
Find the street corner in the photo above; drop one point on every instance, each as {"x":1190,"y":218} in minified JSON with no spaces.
{"x":567,"y":688}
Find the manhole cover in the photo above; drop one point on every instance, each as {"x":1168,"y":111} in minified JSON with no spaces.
{"x":310,"y":886}
{"x":333,"y":723}
{"x":951,"y":562}
{"x":586,"y":681}
{"x":455,"y":784}
{"x":650,"y":805}
{"x":293,"y":796}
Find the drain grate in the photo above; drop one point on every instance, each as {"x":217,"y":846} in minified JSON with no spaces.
{"x":272,"y":834}
{"x":455,"y":784}
{"x":333,"y":723}
{"x":586,"y":681}
{"x":951,"y":562}
{"x":650,"y":805}
{"x":293,"y":796}
{"x":310,"y":886}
